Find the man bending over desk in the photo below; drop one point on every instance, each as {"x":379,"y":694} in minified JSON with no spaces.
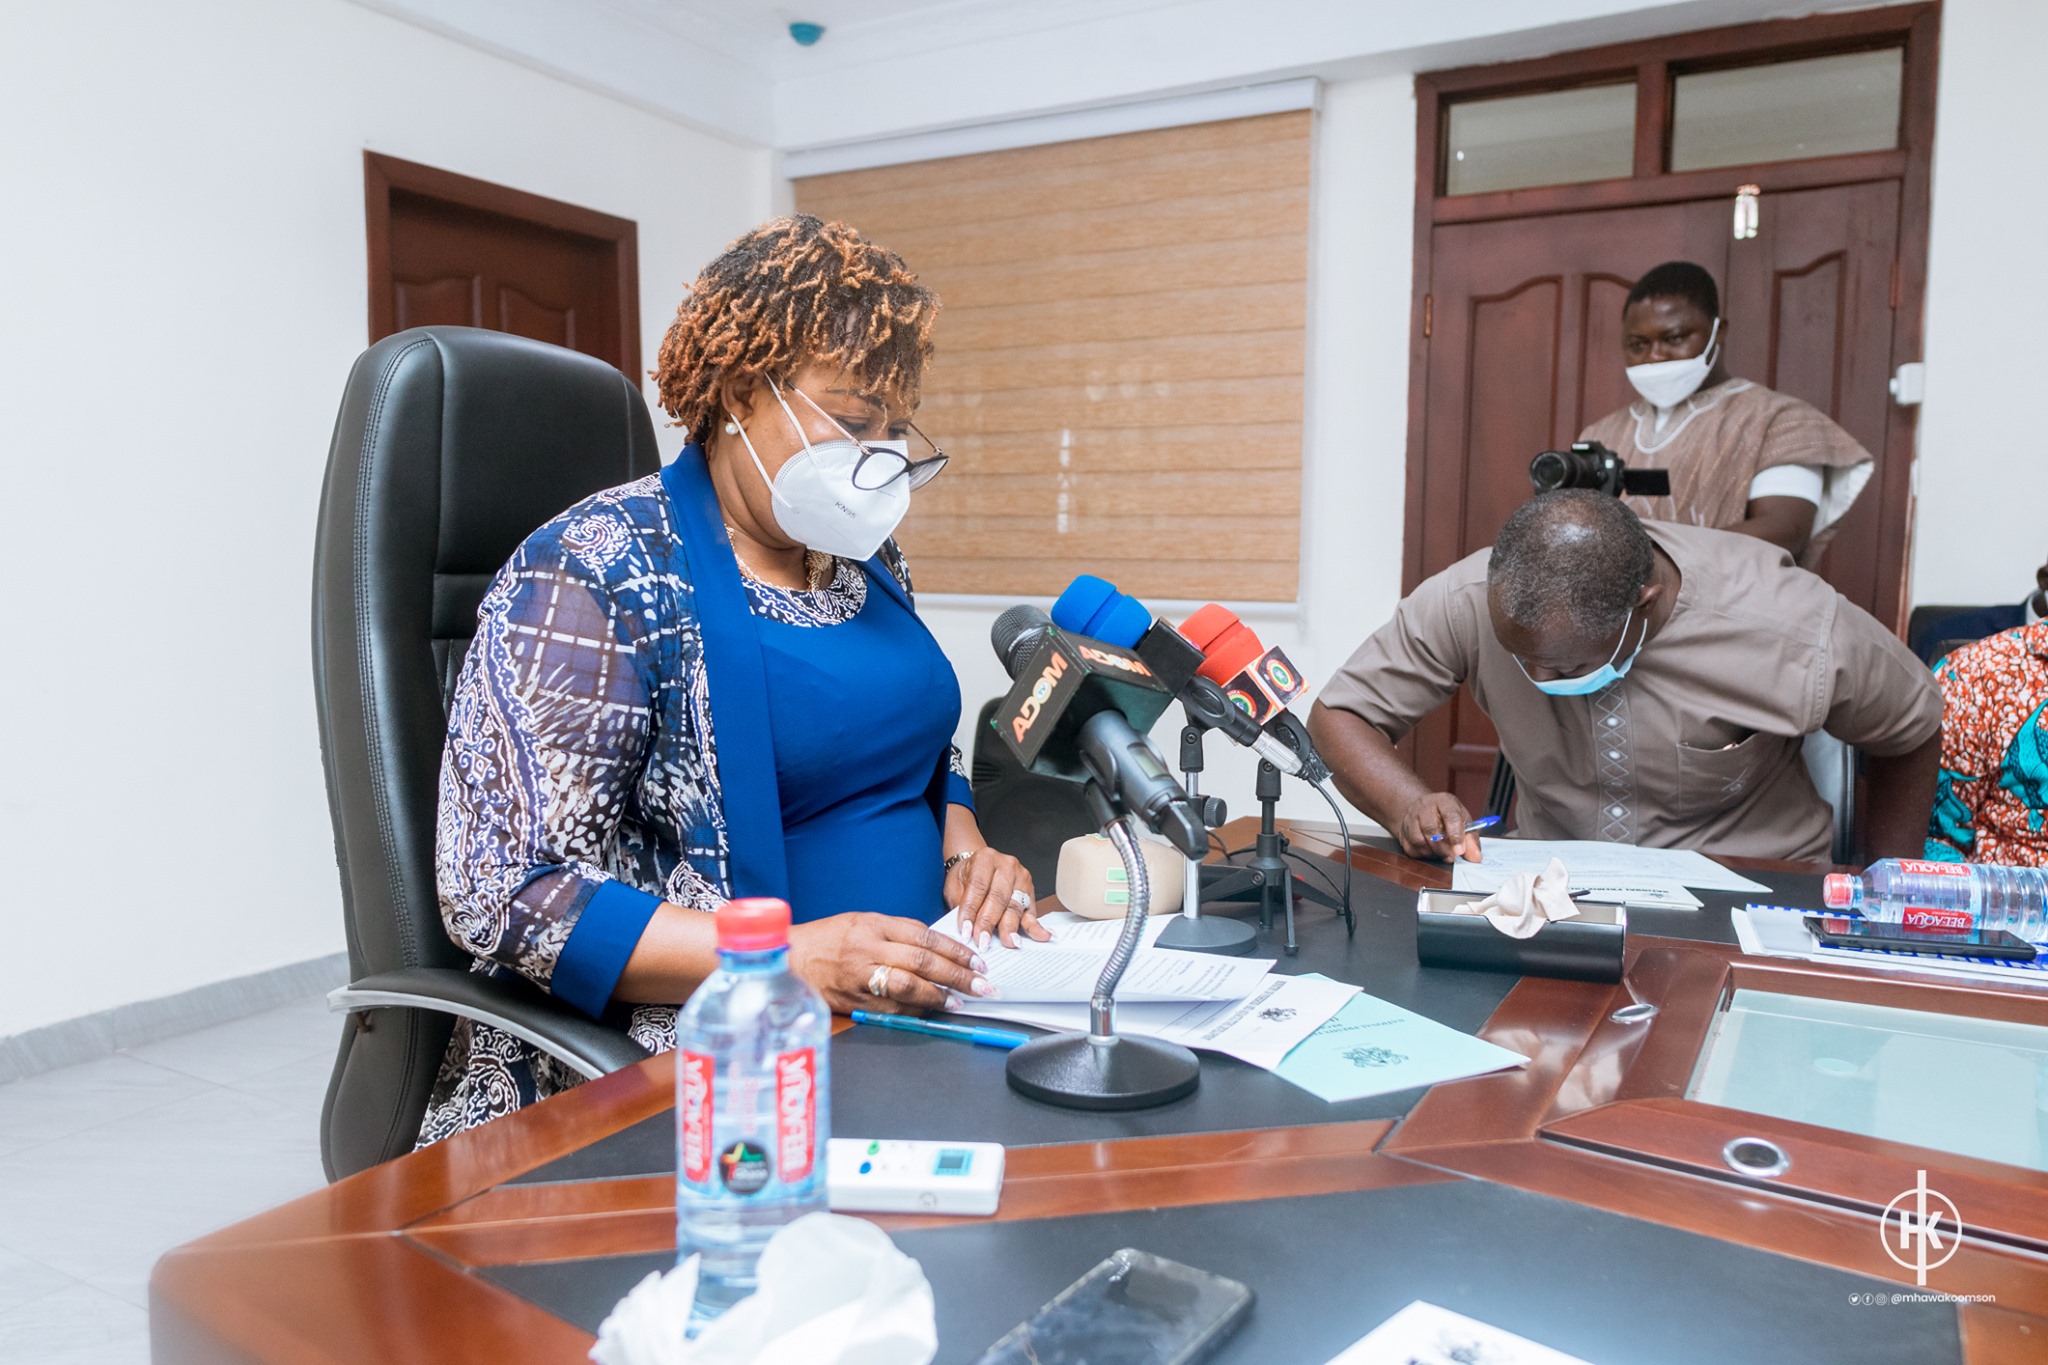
{"x":1651,"y":683}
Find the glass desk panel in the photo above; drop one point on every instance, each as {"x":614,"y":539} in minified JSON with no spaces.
{"x":1976,"y":1087}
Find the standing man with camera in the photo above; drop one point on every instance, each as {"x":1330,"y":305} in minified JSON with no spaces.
{"x":1741,"y":457}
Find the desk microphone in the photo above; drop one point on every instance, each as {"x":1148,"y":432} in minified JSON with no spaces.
{"x":1094,"y":606}
{"x":1078,"y":709}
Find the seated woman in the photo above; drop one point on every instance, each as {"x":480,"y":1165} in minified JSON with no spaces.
{"x":1991,"y":797}
{"x":712,"y":682}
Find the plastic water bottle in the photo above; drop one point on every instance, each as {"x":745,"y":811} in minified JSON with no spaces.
{"x":752,"y":1097}
{"x":1946,"y":897}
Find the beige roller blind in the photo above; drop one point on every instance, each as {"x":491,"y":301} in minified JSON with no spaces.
{"x":1119,"y":368}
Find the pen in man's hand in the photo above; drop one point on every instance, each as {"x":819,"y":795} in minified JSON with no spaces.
{"x":1484,"y":822}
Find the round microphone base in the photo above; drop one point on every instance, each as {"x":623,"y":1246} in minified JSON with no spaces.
{"x":1075,"y":1072}
{"x":1209,"y":934}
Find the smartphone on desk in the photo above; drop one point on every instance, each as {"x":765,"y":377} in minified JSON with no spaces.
{"x":1133,"y":1309}
{"x":1837,"y":931}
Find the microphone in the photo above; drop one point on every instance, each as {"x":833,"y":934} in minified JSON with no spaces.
{"x":1094,"y":606}
{"x":1078,"y":709}
{"x":1259,"y":681}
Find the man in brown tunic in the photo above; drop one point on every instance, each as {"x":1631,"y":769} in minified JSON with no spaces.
{"x":1652,"y":684}
{"x":1741,"y":457}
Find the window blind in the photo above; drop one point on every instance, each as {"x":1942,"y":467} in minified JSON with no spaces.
{"x":1118,"y":375}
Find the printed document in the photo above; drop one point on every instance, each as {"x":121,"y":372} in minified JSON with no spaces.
{"x":1424,"y":1334}
{"x":1651,"y":877}
{"x":1067,"y":968}
{"x":1261,"y":1028}
{"x":1372,"y":1047}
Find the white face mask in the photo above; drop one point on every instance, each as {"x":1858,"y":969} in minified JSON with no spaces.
{"x":1667,"y":383}
{"x":814,"y":497}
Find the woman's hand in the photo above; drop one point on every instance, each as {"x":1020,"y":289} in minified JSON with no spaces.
{"x":845,"y":957}
{"x":993,"y":895}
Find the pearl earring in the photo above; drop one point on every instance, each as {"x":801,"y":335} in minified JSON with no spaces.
{"x":732,"y":428}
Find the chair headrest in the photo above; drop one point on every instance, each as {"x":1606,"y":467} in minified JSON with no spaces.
{"x":525,"y":430}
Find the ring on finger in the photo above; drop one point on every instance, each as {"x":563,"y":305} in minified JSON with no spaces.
{"x":878,"y":983}
{"x":1021,"y":898}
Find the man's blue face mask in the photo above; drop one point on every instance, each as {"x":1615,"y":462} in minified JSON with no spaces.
{"x":1605,"y":675}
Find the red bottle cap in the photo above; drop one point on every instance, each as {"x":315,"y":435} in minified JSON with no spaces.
{"x":753,"y":925}
{"x":1838,"y":890}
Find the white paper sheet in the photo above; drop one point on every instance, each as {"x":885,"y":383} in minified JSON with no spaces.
{"x":1424,"y":1334}
{"x":1650,"y":877}
{"x":1261,"y":1029}
{"x":1066,"y":969}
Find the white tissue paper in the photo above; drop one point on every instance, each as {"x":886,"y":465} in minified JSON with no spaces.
{"x":833,"y":1291}
{"x":1526,"y":902}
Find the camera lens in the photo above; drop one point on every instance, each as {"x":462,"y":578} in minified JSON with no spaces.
{"x":1549,"y":471}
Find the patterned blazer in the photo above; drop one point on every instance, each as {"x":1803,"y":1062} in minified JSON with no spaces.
{"x":579,"y":752}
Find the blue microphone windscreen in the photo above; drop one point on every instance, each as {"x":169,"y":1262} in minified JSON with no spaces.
{"x":1075,"y":608}
{"x":1093,"y":607}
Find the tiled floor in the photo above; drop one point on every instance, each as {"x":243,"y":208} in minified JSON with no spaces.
{"x":107,"y":1165}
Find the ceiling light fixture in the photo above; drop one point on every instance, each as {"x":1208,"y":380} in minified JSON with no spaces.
{"x":806,"y":35}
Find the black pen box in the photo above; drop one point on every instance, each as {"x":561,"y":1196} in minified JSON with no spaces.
{"x":1588,"y":948}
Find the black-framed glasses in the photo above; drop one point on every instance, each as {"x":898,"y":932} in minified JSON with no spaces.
{"x":879,"y":467}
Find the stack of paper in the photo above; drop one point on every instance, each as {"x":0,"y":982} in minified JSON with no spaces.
{"x":1066,"y":969}
{"x":1654,"y":878}
{"x":1232,"y":1005}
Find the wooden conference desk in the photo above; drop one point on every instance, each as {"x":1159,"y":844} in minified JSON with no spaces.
{"x":1581,"y":1200}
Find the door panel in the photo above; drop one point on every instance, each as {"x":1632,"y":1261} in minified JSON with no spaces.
{"x":452,"y":263}
{"x":1809,"y":313}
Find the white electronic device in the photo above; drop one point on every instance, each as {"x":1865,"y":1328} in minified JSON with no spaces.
{"x":864,"y":1176}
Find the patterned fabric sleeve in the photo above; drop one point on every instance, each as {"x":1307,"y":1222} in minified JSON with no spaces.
{"x":546,"y":734}
{"x":1959,"y":786}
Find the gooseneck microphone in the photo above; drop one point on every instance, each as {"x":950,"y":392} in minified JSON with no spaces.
{"x":1075,"y":711}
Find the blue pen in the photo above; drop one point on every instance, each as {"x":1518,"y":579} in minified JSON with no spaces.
{"x":1484,"y":822}
{"x":961,"y":1033}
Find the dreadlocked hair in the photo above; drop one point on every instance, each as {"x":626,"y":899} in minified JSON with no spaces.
{"x":796,"y":291}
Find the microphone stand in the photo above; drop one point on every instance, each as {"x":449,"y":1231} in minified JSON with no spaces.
{"x":1190,"y":932}
{"x":1268,"y":876}
{"x":1099,"y":1069}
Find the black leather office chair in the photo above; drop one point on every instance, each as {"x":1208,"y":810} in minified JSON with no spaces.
{"x":1932,"y":631}
{"x":451,"y":446}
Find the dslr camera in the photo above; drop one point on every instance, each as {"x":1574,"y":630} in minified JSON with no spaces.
{"x":1589,"y":464}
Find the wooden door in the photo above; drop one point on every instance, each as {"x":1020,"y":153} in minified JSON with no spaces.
{"x":449,"y":250}
{"x":1519,"y":285}
{"x":1524,"y":352}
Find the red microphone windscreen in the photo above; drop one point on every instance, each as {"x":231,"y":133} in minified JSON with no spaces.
{"x":1227,"y":644}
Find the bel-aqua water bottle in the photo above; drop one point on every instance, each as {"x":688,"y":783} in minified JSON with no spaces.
{"x":751,"y":1103}
{"x":1946,"y":897}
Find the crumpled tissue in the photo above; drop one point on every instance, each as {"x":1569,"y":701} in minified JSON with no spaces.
{"x":1527,"y":901}
{"x":833,"y":1291}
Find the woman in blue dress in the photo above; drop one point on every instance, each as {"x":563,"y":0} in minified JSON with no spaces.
{"x":712,"y":682}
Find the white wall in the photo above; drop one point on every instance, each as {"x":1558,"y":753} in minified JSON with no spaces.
{"x":184,"y":259}
{"x":1982,"y":523}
